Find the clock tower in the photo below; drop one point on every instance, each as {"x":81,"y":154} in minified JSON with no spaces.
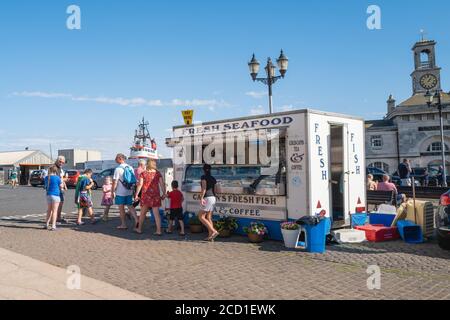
{"x":426,"y":76}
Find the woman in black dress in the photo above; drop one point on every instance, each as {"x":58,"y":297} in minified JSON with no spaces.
{"x":207,"y":202}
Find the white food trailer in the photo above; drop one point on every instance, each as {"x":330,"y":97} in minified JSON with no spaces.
{"x":277,"y":167}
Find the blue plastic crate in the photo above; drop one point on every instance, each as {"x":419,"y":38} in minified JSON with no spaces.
{"x":382,"y":218}
{"x":358,"y":219}
{"x":410,"y":232}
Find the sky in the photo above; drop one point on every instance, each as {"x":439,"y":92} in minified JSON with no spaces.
{"x":89,"y":88}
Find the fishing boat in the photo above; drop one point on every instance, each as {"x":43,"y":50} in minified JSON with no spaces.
{"x":144,"y":147}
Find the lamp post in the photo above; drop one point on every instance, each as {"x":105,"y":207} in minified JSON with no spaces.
{"x":436,"y":101}
{"x":270,"y":68}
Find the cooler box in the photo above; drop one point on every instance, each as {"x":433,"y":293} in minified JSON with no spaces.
{"x":358,"y":219}
{"x":379,"y":233}
{"x":349,"y":236}
{"x":315,"y":238}
{"x":409,"y":231}
{"x":385,"y":219}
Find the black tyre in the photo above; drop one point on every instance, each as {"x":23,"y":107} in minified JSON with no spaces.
{"x":95,"y":187}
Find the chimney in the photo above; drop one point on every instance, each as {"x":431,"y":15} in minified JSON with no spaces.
{"x":390,"y":104}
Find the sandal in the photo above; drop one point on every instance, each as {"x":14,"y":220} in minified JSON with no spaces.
{"x":121,"y":228}
{"x":137,"y":231}
{"x":157,"y":234}
{"x":80,"y":223}
{"x":215,"y":235}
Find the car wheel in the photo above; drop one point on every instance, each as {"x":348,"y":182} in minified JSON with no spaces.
{"x":95,"y":187}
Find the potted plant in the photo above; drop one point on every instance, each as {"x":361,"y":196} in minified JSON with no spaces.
{"x":225,"y":226}
{"x":256,"y":232}
{"x":291,"y":232}
{"x":195,"y":225}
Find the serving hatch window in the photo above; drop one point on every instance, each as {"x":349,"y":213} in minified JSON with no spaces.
{"x":242,"y":164}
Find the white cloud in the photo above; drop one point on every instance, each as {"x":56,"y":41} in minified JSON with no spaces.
{"x":128,"y":102}
{"x":257,"y":111}
{"x":256,"y":94}
{"x":289,"y":107}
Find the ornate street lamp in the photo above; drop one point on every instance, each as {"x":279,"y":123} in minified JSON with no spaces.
{"x":270,"y":69}
{"x":436,"y":101}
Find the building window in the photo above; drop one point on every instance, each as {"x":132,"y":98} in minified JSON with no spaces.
{"x":430,"y":116}
{"x":380,"y":165}
{"x":418,"y":117}
{"x":376,"y":142}
{"x":436,"y":147}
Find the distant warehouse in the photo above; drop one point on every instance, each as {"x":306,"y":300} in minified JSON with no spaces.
{"x":76,"y":158}
{"x":25,"y":161}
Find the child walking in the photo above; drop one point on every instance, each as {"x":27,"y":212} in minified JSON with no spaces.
{"x":83,"y":197}
{"x":176,"y":208}
{"x":107,"y":200}
{"x":53,"y":185}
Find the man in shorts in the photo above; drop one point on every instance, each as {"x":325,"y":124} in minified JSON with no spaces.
{"x":121,"y":195}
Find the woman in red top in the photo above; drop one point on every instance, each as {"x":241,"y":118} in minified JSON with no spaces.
{"x":151,"y":183}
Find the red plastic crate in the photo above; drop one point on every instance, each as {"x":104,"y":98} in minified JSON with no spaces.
{"x":379,"y":233}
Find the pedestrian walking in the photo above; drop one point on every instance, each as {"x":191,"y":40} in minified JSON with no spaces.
{"x":208,"y":202}
{"x":152,"y":186}
{"x":176,"y":208}
{"x":122,"y":190}
{"x":14,"y":178}
{"x":53,"y":186}
{"x":107,"y":200}
{"x":426,"y":178}
{"x":404,"y":171}
{"x":137,"y":173}
{"x":83,"y":197}
{"x":59,"y":163}
{"x":440,"y":176}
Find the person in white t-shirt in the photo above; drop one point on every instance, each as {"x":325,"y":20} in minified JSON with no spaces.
{"x":123,"y":196}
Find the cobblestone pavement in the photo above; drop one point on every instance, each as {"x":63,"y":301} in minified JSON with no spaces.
{"x":171,"y":267}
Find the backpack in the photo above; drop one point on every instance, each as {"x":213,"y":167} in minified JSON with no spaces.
{"x":129,"y":179}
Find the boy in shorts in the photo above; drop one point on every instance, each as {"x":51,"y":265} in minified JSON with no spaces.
{"x":83,"y":197}
{"x":176,"y":208}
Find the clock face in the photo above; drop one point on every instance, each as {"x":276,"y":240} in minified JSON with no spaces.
{"x":428,"y":81}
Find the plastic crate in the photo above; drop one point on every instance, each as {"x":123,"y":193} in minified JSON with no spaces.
{"x":384,"y":219}
{"x":349,"y":236}
{"x":379,"y":233}
{"x":409,"y":231}
{"x":358,"y":219}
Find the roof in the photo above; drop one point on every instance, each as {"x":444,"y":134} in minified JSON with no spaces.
{"x":379,"y":123}
{"x":13,"y":157}
{"x":9,"y":158}
{"x":420,"y":100}
{"x":277,"y":114}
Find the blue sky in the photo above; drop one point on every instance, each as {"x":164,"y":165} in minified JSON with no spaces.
{"x":88,"y":88}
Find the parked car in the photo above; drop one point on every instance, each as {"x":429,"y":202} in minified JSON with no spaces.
{"x":72,"y":178}
{"x":37,"y":178}
{"x":443,"y":221}
{"x":377,"y":173}
{"x":99,"y":178}
{"x":417,"y":173}
{"x":419,"y":176}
